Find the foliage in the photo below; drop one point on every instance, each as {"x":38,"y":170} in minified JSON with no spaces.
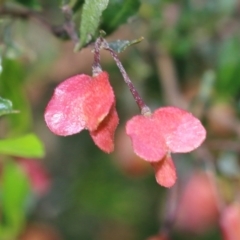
{"x":28,"y":146}
{"x":186,"y":69}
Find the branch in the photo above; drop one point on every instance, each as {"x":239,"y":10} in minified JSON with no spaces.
{"x":64,"y":32}
{"x":171,"y":206}
{"x":69,"y":25}
{"x":24,"y":14}
{"x":224,"y":144}
{"x":145,"y":110}
{"x":205,"y":156}
{"x":168,"y":77}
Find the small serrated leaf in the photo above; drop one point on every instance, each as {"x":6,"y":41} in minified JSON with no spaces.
{"x":121,"y":45}
{"x":28,"y":146}
{"x":6,"y":107}
{"x":117,"y":13}
{"x":91,"y":14}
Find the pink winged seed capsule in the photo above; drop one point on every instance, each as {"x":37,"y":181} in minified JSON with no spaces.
{"x":165,"y":172}
{"x":103,"y":136}
{"x":181,"y":130}
{"x":147,"y":141}
{"x":84,"y":102}
{"x":98,"y":100}
{"x":79,"y":102}
{"x":168,"y":129}
{"x":64,"y":114}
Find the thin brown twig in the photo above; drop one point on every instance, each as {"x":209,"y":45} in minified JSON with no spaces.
{"x":225,"y":121}
{"x":171,"y":210}
{"x":204,"y":154}
{"x":69,"y":25}
{"x":96,"y":68}
{"x":173,"y":96}
{"x":168,"y":79}
{"x":145,"y":110}
{"x":24,"y":14}
{"x":63,"y":31}
{"x":224,"y":144}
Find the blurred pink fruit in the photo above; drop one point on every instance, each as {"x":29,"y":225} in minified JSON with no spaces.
{"x":230,"y":222}
{"x":37,"y":174}
{"x":197,"y":210}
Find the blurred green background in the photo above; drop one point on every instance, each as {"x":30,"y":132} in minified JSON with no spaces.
{"x":190,"y":58}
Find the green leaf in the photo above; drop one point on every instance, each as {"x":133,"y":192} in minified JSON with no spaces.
{"x":15,"y":187}
{"x":28,"y":146}
{"x":227,"y":60}
{"x":12,"y":80}
{"x":33,"y":4}
{"x":90,"y":19}
{"x":117,"y":13}
{"x":228,"y":68}
{"x":120,"y":45}
{"x":78,"y":4}
{"x":6,"y":107}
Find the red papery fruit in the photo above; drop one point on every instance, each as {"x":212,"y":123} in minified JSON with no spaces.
{"x":103,"y":136}
{"x":98,"y":101}
{"x":230,"y":222}
{"x":197,"y":209}
{"x":126,"y":159}
{"x":64,"y":113}
{"x":147,"y":141}
{"x":80,"y":102}
{"x":84,"y":102}
{"x":159,"y":237}
{"x":165,"y":171}
{"x":155,"y":136}
{"x":168,"y":129}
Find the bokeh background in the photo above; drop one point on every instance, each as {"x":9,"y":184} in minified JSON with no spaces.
{"x":189,"y":58}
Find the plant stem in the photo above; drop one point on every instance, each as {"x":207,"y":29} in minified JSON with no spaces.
{"x":145,"y":110}
{"x":69,"y":25}
{"x":26,"y":14}
{"x":96,"y":68}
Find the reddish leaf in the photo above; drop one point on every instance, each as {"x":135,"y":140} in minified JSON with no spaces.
{"x":165,"y":171}
{"x":230,"y":222}
{"x":103,"y":137}
{"x":181,"y":130}
{"x":148,"y":142}
{"x":98,"y":100}
{"x":64,"y":114}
